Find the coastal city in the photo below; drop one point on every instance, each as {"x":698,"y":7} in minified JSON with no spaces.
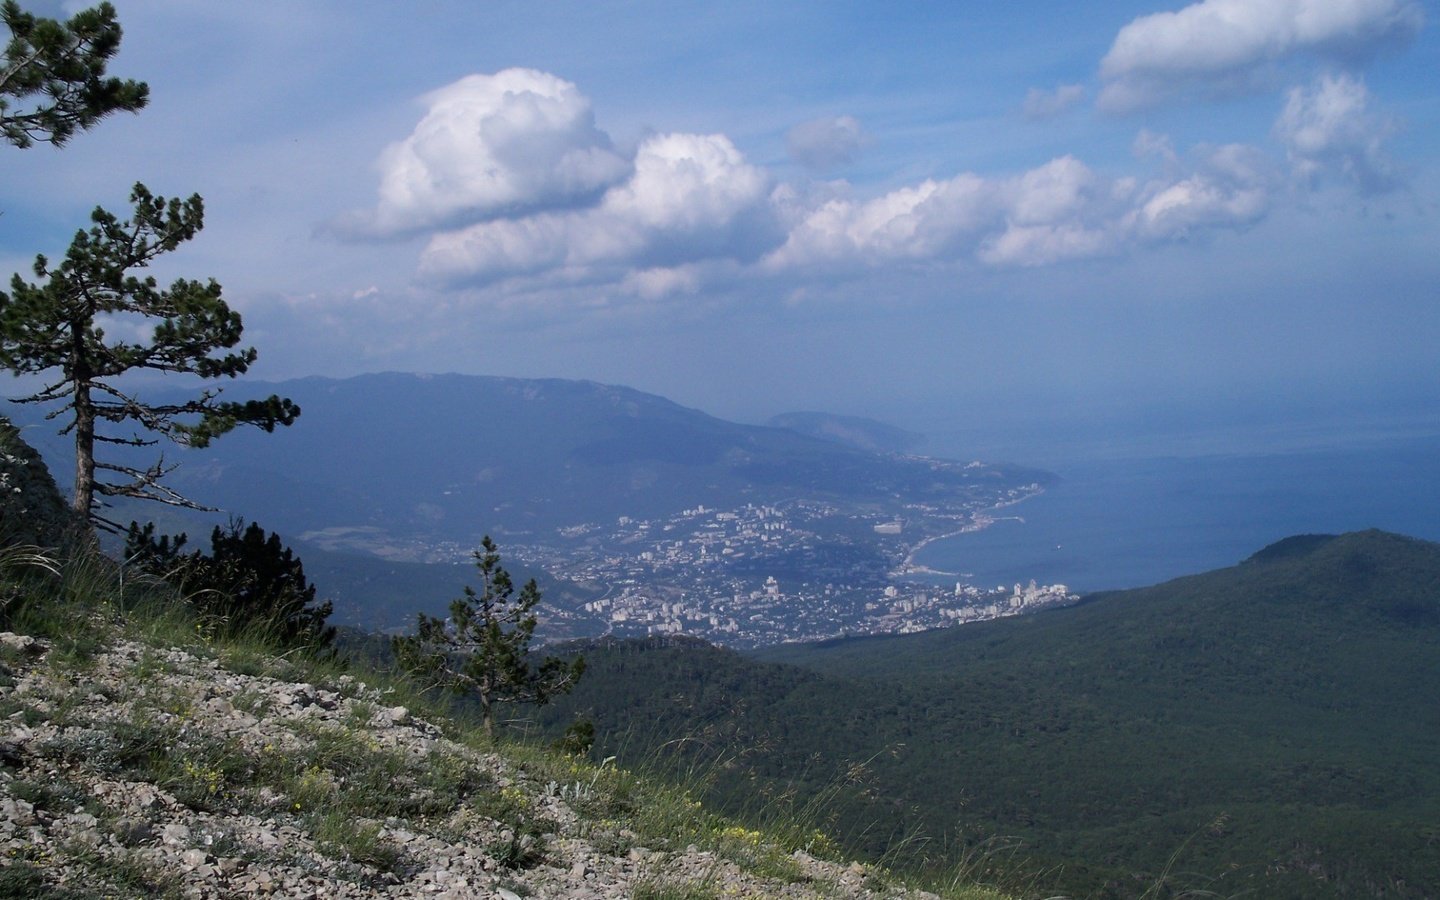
{"x":765,"y":574}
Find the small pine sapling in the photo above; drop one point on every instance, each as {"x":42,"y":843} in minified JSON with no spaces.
{"x":483,"y":649}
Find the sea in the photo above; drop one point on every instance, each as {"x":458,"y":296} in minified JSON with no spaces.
{"x":1178,"y":507}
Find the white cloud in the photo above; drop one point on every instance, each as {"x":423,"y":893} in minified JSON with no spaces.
{"x":825,"y":144}
{"x":494,"y":145}
{"x":1194,"y":203}
{"x":1231,"y":188}
{"x":689,"y":197}
{"x":908,"y":223}
{"x":689,"y":213}
{"x":1054,"y":212}
{"x":687,"y":182}
{"x":1058,"y":190}
{"x":1011,"y":217}
{"x":652,"y":284}
{"x":1040,"y":245}
{"x":1042,"y":104}
{"x":1217,"y":45}
{"x":1331,"y":128}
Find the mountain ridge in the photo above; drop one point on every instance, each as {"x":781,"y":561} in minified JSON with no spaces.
{"x":852,"y":431}
{"x":455,"y":456}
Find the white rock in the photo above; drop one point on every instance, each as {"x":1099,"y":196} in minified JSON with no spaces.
{"x":17,"y":812}
{"x":24,"y":643}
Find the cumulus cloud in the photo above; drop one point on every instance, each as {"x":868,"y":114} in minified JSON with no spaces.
{"x":1042,"y":104}
{"x":1060,"y":189}
{"x":687,"y":183}
{"x":826,"y":144}
{"x":1230,"y":188}
{"x":1331,"y":128}
{"x":908,"y":223}
{"x":1058,"y":211}
{"x":569,"y":216}
{"x":689,"y":197}
{"x":493,"y":145}
{"x":1218,"y":45}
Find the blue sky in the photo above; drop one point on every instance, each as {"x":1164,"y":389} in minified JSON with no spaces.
{"x":1029,"y":217}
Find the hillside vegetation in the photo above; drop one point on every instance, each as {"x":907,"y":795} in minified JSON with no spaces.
{"x":149,"y":751}
{"x":1268,"y":728}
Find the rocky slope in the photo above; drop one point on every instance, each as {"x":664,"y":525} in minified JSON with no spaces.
{"x":136,"y":769}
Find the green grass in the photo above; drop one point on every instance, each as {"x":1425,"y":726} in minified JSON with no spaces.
{"x":358,"y":841}
{"x":670,"y":888}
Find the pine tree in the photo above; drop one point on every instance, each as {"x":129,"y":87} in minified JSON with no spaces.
{"x":483,"y":650}
{"x":56,"y":72}
{"x":56,"y":329}
{"x":249,"y":579}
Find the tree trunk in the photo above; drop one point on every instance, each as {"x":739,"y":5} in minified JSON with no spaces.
{"x":487,"y":719}
{"x":84,"y":451}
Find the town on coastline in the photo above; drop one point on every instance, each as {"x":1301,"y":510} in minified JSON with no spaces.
{"x":763,"y":574}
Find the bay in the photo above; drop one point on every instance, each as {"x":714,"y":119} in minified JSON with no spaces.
{"x":1126,"y":522}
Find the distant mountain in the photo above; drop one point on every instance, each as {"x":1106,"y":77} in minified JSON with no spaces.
{"x":383,"y":473}
{"x":451,"y":457}
{"x":851,"y":431}
{"x":1265,"y":730}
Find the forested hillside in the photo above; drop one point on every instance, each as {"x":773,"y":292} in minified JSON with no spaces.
{"x":1268,"y":727}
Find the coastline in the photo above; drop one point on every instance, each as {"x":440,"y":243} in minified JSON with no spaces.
{"x":979,"y":522}
{"x":1131,"y":522}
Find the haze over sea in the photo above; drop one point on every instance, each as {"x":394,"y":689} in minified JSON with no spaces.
{"x":1136,"y":509}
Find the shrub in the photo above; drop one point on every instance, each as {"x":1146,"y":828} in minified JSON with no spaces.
{"x":249,"y":581}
